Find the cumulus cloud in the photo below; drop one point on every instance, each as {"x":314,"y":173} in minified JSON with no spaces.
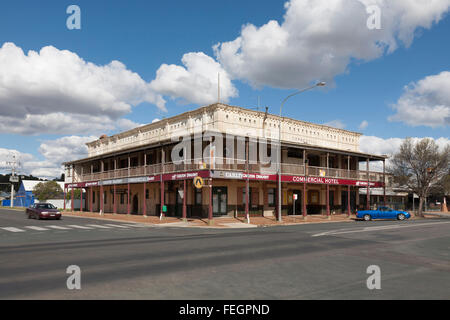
{"x":53,"y":152}
{"x":336,"y":124}
{"x":380,"y":146}
{"x":390,"y":146}
{"x":364,"y":124}
{"x":196,"y":81}
{"x":425,"y":103}
{"x":41,"y":91}
{"x":318,"y":39}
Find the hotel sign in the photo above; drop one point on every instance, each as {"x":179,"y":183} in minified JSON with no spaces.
{"x":291,"y":179}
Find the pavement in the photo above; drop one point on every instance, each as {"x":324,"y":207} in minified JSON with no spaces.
{"x":128,"y":260}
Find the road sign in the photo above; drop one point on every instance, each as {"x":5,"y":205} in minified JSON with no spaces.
{"x":198,"y":182}
{"x":295,"y":196}
{"x":14,"y":179}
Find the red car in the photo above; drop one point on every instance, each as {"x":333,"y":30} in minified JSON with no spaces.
{"x":43,"y":211}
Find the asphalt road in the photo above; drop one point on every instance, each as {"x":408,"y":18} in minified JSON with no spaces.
{"x":127,"y":261}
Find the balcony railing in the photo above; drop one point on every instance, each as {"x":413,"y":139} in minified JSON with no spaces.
{"x":231,"y":165}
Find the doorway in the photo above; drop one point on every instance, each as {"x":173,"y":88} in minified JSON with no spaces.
{"x":298,"y":203}
{"x":135,"y":204}
{"x":220,"y":201}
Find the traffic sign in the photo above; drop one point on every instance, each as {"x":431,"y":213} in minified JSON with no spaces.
{"x":198,"y":182}
{"x":14,"y":179}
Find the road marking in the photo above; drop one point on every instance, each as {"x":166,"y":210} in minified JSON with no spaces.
{"x":58,"y":227}
{"x":117,"y":226}
{"x":79,"y":227}
{"x":98,"y":226}
{"x":135,"y":225}
{"x":36,"y":228}
{"x":12,"y":229}
{"x":368,"y":229}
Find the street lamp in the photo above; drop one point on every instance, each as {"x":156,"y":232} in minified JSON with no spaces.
{"x":319,"y":84}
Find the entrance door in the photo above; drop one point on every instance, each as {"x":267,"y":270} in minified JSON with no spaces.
{"x":220,"y":201}
{"x":135,"y":204}
{"x":298,"y":202}
{"x":179,"y":204}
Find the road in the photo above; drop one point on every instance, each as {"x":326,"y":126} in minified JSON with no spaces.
{"x":120,"y":260}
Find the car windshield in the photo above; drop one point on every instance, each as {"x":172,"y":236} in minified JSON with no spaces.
{"x":45,"y":206}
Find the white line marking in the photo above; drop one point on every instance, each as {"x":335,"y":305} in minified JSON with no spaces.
{"x":135,"y":225}
{"x":58,"y":227}
{"x":368,"y":229}
{"x":12,"y":229}
{"x":98,"y":226}
{"x":117,"y":226}
{"x":79,"y":227}
{"x":36,"y":228}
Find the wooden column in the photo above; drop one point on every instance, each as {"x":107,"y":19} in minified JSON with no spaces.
{"x":247,"y":184}
{"x":368,"y":186}
{"x":305,"y":163}
{"x":384,"y":183}
{"x":328,"y":188}
{"x":184,"y":201}
{"x":145,"y":200}
{"x":128,"y":199}
{"x":81,"y":199}
{"x":349,"y":209}
{"x":115,"y":200}
{"x":101,"y":199}
{"x":210,"y":209}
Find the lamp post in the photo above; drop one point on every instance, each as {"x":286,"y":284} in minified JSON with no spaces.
{"x":319,"y":84}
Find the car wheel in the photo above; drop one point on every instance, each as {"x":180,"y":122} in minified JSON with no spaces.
{"x":401,"y":217}
{"x":367,"y":217}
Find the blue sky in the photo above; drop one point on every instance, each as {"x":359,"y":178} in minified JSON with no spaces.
{"x":143,"y":35}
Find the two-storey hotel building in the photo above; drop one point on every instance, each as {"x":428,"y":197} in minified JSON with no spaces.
{"x":134,"y":172}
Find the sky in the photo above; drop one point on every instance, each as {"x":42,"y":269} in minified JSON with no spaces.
{"x":132,"y":62}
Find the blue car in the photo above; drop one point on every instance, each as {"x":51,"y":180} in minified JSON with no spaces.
{"x":382,"y":213}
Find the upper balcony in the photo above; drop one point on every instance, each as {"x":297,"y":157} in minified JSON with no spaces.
{"x":229,"y":165}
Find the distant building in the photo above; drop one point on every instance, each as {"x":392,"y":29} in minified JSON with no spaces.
{"x":25,"y":196}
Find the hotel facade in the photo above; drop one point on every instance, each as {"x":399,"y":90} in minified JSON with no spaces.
{"x":222,"y":160}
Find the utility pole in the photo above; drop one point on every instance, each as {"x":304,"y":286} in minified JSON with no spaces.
{"x":13,"y":178}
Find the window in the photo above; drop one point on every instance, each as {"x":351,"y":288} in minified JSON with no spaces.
{"x":104,"y":197}
{"x":146,"y":193}
{"x":93,"y":196}
{"x":198,"y":197}
{"x":122,"y":196}
{"x":271,"y":197}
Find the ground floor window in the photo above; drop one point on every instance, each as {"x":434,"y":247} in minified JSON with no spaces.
{"x":271,"y":197}
{"x":198,"y":197}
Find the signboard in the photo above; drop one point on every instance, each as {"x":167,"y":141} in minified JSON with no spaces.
{"x":292,"y":179}
{"x":198,"y":182}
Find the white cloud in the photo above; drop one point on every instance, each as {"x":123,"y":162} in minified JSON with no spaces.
{"x":54,"y":153}
{"x":55,"y":91}
{"x":380,"y":146}
{"x":390,"y":146}
{"x":336,"y":124}
{"x":425,"y":103}
{"x":196,"y":82}
{"x":318,"y":39}
{"x":364,"y":124}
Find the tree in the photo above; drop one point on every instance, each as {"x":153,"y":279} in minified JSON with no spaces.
{"x":420,"y":167}
{"x":47,"y":190}
{"x":76,"y":194}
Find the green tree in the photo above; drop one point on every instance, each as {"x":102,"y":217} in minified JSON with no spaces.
{"x":47,"y":190}
{"x":76,"y":194}
{"x":420,"y":167}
